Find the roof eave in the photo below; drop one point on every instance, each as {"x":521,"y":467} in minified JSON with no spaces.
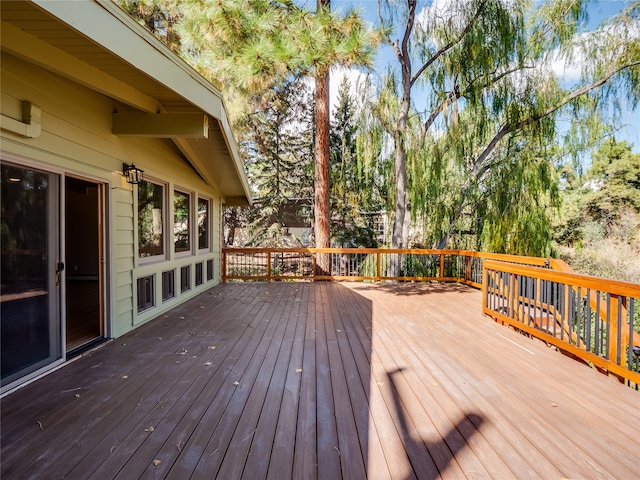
{"x":121,"y":35}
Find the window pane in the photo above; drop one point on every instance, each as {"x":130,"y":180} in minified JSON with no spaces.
{"x":150,"y":223}
{"x":181,"y":234}
{"x":168,"y":285}
{"x":146,"y":297}
{"x":203,"y":223}
{"x":199,"y":274}
{"x":209,"y":269}
{"x":185,"y":278}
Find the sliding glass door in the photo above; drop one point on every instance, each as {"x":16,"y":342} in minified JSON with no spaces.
{"x":30,"y":271}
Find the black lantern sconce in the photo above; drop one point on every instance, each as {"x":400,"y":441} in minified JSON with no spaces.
{"x":132,"y":173}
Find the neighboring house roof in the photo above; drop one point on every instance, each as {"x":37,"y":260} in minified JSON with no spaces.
{"x":98,"y":45}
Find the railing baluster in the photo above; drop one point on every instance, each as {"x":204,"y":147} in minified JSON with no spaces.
{"x":608,"y":352}
{"x":588,"y":321}
{"x":630,"y":353}
{"x":598,"y":341}
{"x":572,"y":314}
{"x":530,"y":290}
{"x":579,"y":316}
{"x":619,"y":322}
{"x":549,"y":303}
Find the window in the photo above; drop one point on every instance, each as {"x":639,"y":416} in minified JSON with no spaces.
{"x":185,"y":278}
{"x":209,"y":270}
{"x":150,"y":219}
{"x":199,"y":274}
{"x":168,"y":285}
{"x":146,"y":297}
{"x":181,"y":217}
{"x":203,"y":223}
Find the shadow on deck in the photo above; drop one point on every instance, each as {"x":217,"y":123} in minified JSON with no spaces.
{"x":322,"y":380}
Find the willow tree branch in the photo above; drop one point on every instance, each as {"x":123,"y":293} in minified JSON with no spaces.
{"x":458,"y":93}
{"x":510,"y":128}
{"x":448,"y":46}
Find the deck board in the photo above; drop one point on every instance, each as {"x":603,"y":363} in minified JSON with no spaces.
{"x":333,"y":381}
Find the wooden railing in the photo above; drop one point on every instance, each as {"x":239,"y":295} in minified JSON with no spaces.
{"x":593,"y":319}
{"x":361,"y":264}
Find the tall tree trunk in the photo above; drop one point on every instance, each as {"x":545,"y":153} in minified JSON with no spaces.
{"x":322,"y":187}
{"x":322,"y":207}
{"x":402,"y":208}
{"x":402,"y":218}
{"x":397,"y":239}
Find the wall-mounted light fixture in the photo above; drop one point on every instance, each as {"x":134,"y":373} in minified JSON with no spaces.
{"x":132,"y":173}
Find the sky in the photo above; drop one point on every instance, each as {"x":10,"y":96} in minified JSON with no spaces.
{"x":598,"y":11}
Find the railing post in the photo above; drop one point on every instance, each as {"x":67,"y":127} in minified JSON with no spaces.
{"x":441,"y":266}
{"x":269,"y":265}
{"x":378,"y":267}
{"x":223,"y":273}
{"x":467,"y":270}
{"x":484,"y":289}
{"x":614,"y":330}
{"x":315,"y":266}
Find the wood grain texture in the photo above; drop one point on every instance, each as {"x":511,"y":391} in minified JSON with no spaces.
{"x":311,"y":380}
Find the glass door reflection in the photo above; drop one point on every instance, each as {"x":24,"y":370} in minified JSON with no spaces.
{"x":29,"y":283}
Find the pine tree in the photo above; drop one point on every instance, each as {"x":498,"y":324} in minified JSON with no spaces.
{"x":280,"y":160}
{"x":614,"y":181}
{"x":598,"y":229}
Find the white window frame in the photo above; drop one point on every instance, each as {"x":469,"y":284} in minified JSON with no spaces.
{"x":165,"y":230}
{"x":191,"y":195}
{"x":209,"y":247}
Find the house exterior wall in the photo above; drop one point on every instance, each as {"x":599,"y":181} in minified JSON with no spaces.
{"x":76,"y":140}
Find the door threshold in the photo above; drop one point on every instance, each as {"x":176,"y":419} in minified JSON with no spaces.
{"x":79,"y":350}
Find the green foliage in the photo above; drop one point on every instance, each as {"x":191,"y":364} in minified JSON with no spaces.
{"x":280,"y":160}
{"x":465,"y":123}
{"x":369,"y":267}
{"x":251,"y":45}
{"x":160,"y":17}
{"x":481,"y":145}
{"x":615,"y":180}
{"x":598,"y":232}
{"x":354,"y":188}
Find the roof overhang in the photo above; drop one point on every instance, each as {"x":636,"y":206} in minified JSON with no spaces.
{"x":96,"y":44}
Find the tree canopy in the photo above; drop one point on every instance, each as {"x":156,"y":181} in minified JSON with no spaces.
{"x":598,"y":229}
{"x":476,"y":152}
{"x":459,"y":139}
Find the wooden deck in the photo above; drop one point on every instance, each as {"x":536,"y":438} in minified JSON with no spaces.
{"x":324,"y":380}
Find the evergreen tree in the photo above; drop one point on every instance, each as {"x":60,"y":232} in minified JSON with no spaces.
{"x":358,"y":189}
{"x":280,"y":152}
{"x":613,"y":185}
{"x":348,"y":198}
{"x":249,"y":46}
{"x":160,"y":17}
{"x":598,"y":229}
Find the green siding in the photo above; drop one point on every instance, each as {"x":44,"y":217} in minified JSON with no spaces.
{"x":76,"y":139}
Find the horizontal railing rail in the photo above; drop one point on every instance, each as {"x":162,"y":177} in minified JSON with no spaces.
{"x":593,"y":319}
{"x":361,"y":264}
